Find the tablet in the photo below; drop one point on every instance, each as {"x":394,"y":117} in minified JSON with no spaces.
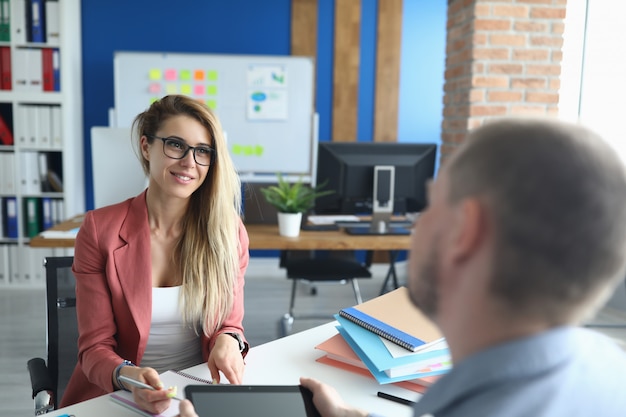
{"x":251,"y":400}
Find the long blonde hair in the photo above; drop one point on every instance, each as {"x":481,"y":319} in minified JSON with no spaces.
{"x":207,"y":253}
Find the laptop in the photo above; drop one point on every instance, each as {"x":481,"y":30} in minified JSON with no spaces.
{"x":224,"y":400}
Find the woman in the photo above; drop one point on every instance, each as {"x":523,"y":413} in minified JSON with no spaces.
{"x":159,"y":277}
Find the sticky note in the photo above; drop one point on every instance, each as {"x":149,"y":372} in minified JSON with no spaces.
{"x":154,"y":88}
{"x":212,"y":104}
{"x":236,"y":149}
{"x":171,"y":88}
{"x":170,"y":74}
{"x":185,"y":75}
{"x":198,"y":90}
{"x":211,"y":90}
{"x":154,"y":74}
{"x":211,"y":75}
{"x":185,"y":88}
{"x":258,"y":150}
{"x":198,"y":75}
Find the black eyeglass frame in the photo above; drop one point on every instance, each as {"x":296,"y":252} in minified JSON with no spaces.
{"x":189,"y":148}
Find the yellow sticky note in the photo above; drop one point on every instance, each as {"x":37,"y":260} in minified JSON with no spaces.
{"x":211,"y":90}
{"x":171,"y":89}
{"x":185,"y":75}
{"x":154,"y":74}
{"x":211,"y":75}
{"x":185,"y":88}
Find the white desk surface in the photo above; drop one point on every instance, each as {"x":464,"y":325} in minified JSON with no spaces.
{"x":282,"y":362}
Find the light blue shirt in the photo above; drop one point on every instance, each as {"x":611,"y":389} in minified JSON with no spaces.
{"x":566,"y":371}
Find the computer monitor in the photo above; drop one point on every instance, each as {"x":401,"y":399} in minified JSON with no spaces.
{"x":348,"y":168}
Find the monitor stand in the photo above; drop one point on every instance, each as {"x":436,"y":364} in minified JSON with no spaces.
{"x":382,"y":205}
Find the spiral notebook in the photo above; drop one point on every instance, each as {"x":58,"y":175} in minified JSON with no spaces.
{"x":394,"y":317}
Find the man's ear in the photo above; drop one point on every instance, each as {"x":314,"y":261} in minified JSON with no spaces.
{"x":470,"y":228}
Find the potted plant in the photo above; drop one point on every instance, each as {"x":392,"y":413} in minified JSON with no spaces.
{"x":291,"y":200}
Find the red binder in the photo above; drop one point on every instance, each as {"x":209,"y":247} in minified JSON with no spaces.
{"x":48,"y":74}
{"x":5,"y":68}
{"x":6,"y":137}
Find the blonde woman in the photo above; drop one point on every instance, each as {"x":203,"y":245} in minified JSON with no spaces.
{"x":160,"y":276}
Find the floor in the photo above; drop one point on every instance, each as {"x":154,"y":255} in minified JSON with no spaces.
{"x":22,"y":321}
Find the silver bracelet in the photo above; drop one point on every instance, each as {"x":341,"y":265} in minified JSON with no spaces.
{"x":120,"y":384}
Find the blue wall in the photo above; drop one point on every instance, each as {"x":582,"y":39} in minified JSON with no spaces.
{"x":263,"y":27}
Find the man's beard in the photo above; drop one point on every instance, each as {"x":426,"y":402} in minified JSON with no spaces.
{"x":423,"y":284}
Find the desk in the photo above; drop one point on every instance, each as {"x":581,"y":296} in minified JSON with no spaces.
{"x":265,"y":236}
{"x":282,"y":362}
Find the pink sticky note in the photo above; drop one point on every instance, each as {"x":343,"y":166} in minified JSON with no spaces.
{"x":170,"y":74}
{"x":154,"y":88}
{"x":198,"y":90}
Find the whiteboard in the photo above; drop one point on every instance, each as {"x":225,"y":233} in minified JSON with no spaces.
{"x":265,"y":103}
{"x":117,"y":173}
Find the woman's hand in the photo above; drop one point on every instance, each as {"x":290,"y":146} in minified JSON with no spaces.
{"x":156,"y":401}
{"x":225,"y":357}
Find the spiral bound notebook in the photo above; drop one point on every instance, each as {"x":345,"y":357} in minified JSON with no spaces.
{"x":394,"y":317}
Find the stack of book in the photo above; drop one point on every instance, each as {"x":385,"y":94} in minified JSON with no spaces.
{"x":390,"y":339}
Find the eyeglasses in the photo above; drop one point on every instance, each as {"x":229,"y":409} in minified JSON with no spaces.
{"x":176,"y":148}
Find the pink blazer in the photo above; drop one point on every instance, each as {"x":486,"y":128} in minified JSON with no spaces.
{"x":114,"y":295}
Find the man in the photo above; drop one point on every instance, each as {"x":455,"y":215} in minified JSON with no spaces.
{"x":524,"y":238}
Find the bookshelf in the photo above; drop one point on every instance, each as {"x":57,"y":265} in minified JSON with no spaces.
{"x":41,"y":168}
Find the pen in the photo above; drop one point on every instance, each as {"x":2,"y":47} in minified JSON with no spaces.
{"x":139,"y":384}
{"x":395,"y":399}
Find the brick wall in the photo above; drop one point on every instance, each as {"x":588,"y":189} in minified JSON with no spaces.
{"x":502,"y":58}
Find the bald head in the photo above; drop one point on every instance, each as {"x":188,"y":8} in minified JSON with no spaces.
{"x":556,"y":195}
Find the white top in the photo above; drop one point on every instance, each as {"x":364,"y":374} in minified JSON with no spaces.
{"x":171,"y":345}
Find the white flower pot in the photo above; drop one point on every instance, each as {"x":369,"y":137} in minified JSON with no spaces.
{"x":289,"y":224}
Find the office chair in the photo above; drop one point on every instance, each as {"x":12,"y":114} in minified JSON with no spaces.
{"x":321,"y":266}
{"x":48,"y":380}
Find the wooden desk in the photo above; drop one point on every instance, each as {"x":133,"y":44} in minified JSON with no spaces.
{"x":265,"y":236}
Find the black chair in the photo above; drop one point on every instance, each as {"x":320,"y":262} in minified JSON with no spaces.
{"x":321,"y":266}
{"x":49,"y":379}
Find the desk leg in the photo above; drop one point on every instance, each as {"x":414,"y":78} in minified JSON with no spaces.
{"x":391,"y":272}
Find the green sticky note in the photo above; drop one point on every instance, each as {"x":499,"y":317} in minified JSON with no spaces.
{"x":212,"y":104}
{"x":185,"y":75}
{"x":154,"y":74}
{"x":258,"y":150}
{"x":211,"y":90}
{"x":236,"y":149}
{"x":211,"y":75}
{"x":248,"y":150}
{"x":185,"y":89}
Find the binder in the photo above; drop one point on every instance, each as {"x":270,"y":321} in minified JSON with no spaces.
{"x":31,"y":217}
{"x":46,"y":213}
{"x":5,"y":276}
{"x":32,"y":117}
{"x":18,"y":21}
{"x":52,"y":23}
{"x":56,"y":69}
{"x":44,"y":127}
{"x":21,"y":127}
{"x":56,"y":139}
{"x":5,"y":21}
{"x":46,"y":65}
{"x":394,"y":317}
{"x":35,"y":21}
{"x":5,"y":75}
{"x":20,"y":69}
{"x":7,"y":169}
{"x":42,"y":164}
{"x":6,"y":137}
{"x":10,"y":210}
{"x":35,"y":72}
